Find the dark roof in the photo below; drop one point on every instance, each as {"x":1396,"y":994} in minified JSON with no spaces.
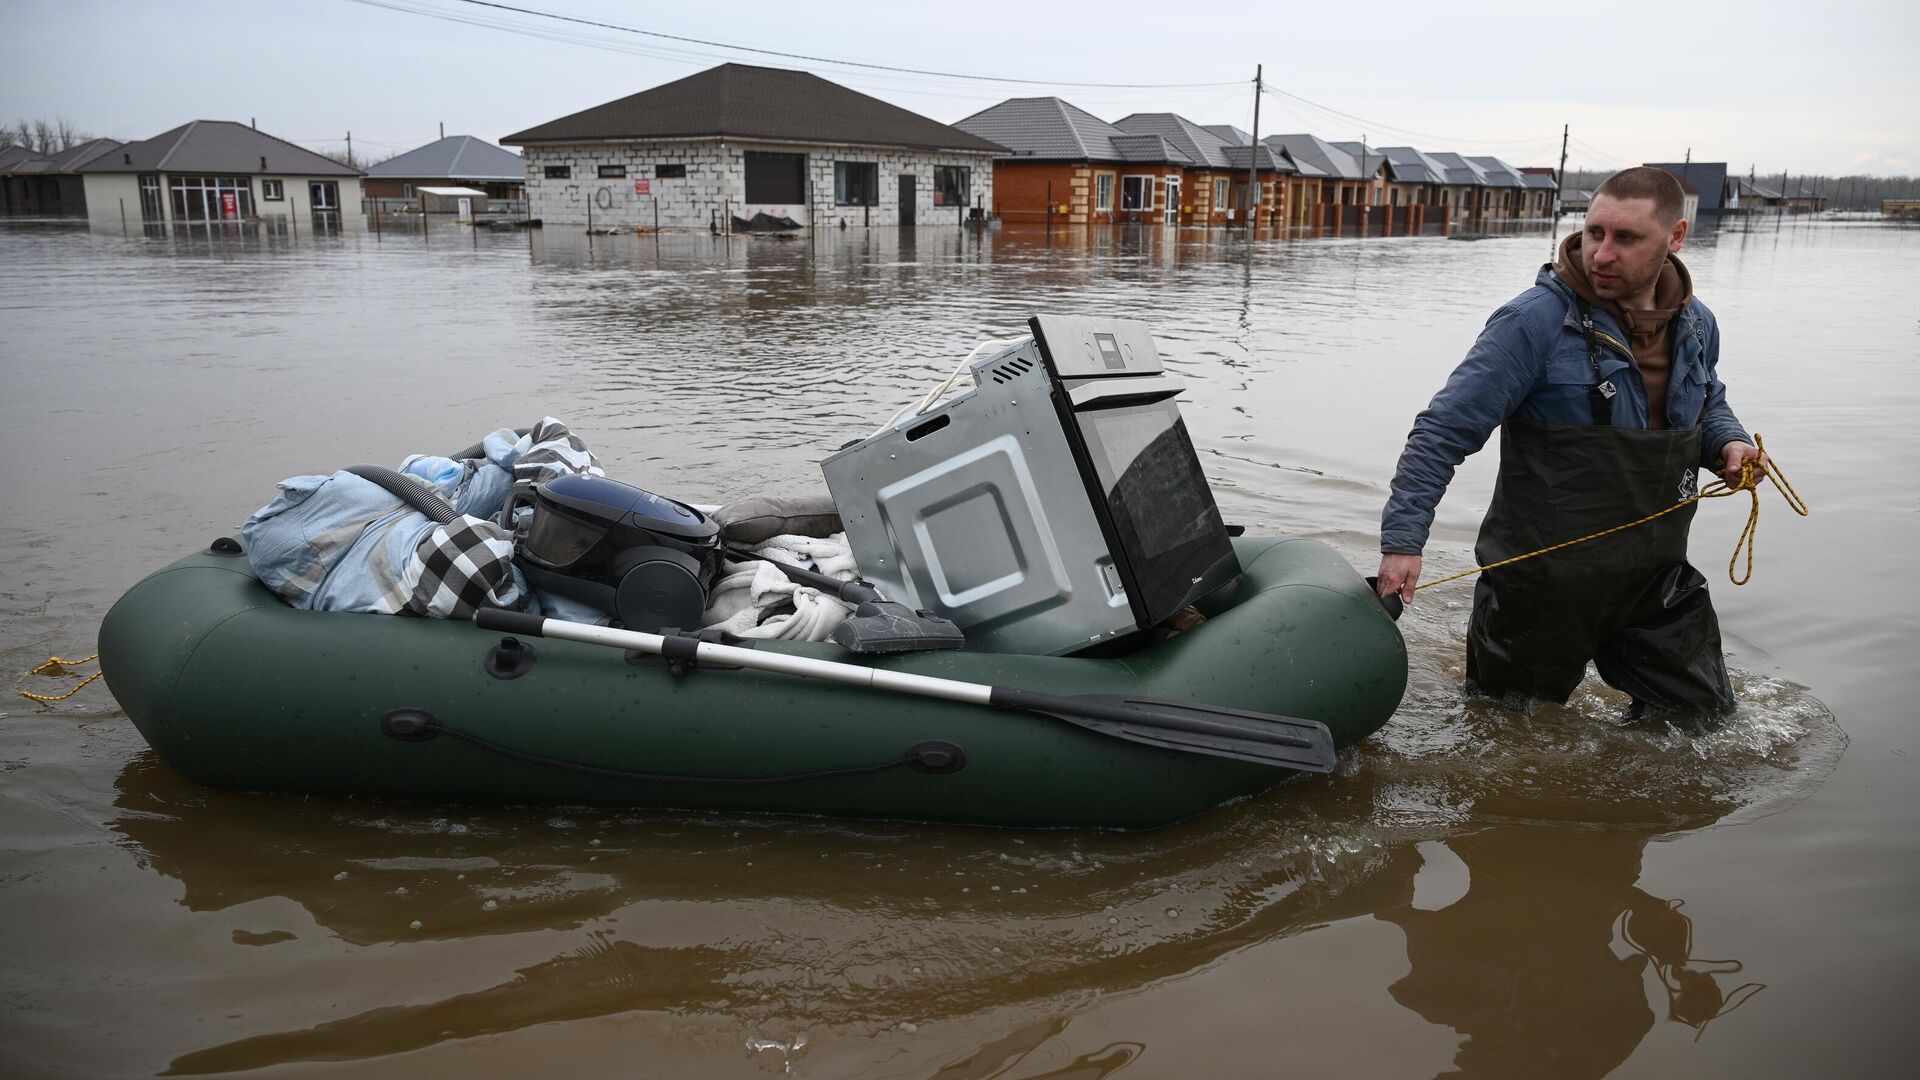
{"x":216,"y":146}
{"x":1459,"y":170}
{"x":1539,"y":178}
{"x":740,"y":101}
{"x":1271,"y":160}
{"x":1409,"y":166}
{"x":1230,"y":135}
{"x":456,"y":157}
{"x":1368,"y":158}
{"x":1046,"y":129}
{"x":1709,"y":176}
{"x":14,"y":158}
{"x":1747,"y":189}
{"x":1498,"y":173}
{"x":1202,"y":147}
{"x":66,"y":161}
{"x":1318,"y":157}
{"x":1150,"y":149}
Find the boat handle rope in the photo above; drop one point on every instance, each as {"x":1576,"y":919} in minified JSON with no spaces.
{"x":1750,"y":481}
{"x":55,"y":668}
{"x":416,"y":725}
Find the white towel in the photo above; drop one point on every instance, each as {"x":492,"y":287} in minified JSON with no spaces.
{"x":747,"y":590}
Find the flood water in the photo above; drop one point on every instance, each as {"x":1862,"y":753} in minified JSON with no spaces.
{"x":1478,"y":891}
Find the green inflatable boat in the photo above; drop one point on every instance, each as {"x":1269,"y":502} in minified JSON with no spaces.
{"x":234,"y":688}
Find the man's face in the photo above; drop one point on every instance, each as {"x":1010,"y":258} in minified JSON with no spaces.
{"x":1625,"y":245}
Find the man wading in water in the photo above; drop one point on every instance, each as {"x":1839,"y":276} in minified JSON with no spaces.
{"x":1601,"y":379}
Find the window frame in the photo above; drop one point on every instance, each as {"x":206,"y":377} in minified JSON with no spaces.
{"x":670,"y":170}
{"x":846,"y":192}
{"x":558,"y":172}
{"x":1145,"y":186}
{"x":963,"y":191}
{"x":273,"y":190}
{"x":1100,"y":202}
{"x":752,"y":186}
{"x":610,"y":172}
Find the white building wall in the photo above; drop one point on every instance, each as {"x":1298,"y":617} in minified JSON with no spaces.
{"x":108,"y":195}
{"x":714,"y":188}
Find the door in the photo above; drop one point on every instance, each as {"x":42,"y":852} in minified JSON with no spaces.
{"x":323,"y":194}
{"x":1173,"y":200}
{"x":908,"y":198}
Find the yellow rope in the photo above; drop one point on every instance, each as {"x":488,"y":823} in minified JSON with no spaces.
{"x":1718,"y":489}
{"x":54,"y":668}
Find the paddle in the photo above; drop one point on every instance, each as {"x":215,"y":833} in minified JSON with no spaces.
{"x":1261,"y":738}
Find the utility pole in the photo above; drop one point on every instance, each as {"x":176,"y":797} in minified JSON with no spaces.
{"x":349,"y":149}
{"x":1559,"y":180}
{"x":1253,"y":154}
{"x":443,"y":129}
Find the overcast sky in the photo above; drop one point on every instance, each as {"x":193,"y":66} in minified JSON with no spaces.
{"x":1769,"y":85}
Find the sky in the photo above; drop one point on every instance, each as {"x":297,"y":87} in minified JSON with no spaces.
{"x":1765,"y":86}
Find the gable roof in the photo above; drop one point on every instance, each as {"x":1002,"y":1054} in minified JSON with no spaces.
{"x":1709,"y":176}
{"x":1045,"y":129}
{"x":1409,"y":166}
{"x":1498,"y":173}
{"x":216,"y":146}
{"x":1229,"y":134}
{"x":14,"y":158}
{"x":456,"y":157}
{"x":1539,"y":177}
{"x":1271,"y":160}
{"x":745,"y":102}
{"x":1367,"y":158}
{"x":1459,"y":170}
{"x":1321,"y":155}
{"x":1149,"y":149}
{"x":1202,"y":147}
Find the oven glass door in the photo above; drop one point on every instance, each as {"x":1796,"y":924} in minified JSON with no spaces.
{"x":1173,"y":545}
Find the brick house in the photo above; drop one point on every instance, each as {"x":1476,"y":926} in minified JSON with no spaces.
{"x":737,"y":140}
{"x":1465,"y":195}
{"x":1352,"y":181}
{"x":455,"y":161}
{"x":1212,"y":189}
{"x":1415,"y":182}
{"x":1066,"y":165}
{"x":1541,"y":189}
{"x":1506,"y":186}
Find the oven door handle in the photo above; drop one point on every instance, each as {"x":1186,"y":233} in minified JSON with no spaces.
{"x":1146,"y":388}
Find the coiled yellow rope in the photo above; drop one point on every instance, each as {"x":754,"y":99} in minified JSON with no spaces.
{"x":55,"y":668}
{"x":1750,"y":480}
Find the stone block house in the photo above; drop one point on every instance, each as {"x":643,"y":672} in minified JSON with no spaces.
{"x":738,"y":140}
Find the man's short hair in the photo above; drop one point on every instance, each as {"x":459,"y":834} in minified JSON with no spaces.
{"x":1647,"y":182}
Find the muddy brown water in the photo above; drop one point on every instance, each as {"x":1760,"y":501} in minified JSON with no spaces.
{"x":1478,"y":891}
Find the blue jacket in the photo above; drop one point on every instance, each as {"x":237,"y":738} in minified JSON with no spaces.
{"x":1531,"y":362}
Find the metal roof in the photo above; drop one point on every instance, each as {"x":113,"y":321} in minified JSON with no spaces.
{"x":1319,"y":154}
{"x":216,"y":146}
{"x":1459,"y":171}
{"x":1539,"y":178}
{"x":1709,"y":176}
{"x":14,"y":159}
{"x":741,"y":101}
{"x":1229,"y":134}
{"x":1149,"y":149}
{"x":1271,"y":160}
{"x":1046,"y":129}
{"x":1367,"y":158}
{"x":1409,"y":166}
{"x":456,"y":157}
{"x":1499,"y":173}
{"x":1202,"y":147}
{"x":65,"y":161}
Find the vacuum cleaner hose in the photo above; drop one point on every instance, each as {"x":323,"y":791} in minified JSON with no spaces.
{"x":407,"y":490}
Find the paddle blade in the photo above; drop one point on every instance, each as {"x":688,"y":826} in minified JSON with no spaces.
{"x":1284,"y":742}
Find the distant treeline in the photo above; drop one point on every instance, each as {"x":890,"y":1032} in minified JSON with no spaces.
{"x":1841,"y":192}
{"x":43,"y":136}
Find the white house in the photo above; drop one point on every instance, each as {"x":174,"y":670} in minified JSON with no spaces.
{"x":215,"y":170}
{"x":735,"y":140}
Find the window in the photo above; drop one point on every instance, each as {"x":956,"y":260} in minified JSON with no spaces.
{"x":952,"y":185}
{"x":210,"y":198}
{"x":670,"y":172}
{"x":776,"y":178}
{"x":1136,"y":193}
{"x":1103,"y":191}
{"x":152,"y":208}
{"x":1219,"y":194}
{"x":613,"y":172}
{"x":855,"y":183}
{"x":406,"y":191}
{"x":272,"y":191}
{"x":559,"y":172}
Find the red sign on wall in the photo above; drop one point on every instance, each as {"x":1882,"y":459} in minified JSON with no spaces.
{"x":229,"y":204}
{"x":642,"y":187}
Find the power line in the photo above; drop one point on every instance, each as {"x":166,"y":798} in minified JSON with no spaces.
{"x":558,"y":17}
{"x":1372,"y":125}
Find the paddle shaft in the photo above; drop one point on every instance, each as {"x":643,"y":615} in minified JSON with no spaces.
{"x":871,"y":678}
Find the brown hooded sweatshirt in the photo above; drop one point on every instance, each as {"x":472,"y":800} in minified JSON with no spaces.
{"x":1646,"y":330}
